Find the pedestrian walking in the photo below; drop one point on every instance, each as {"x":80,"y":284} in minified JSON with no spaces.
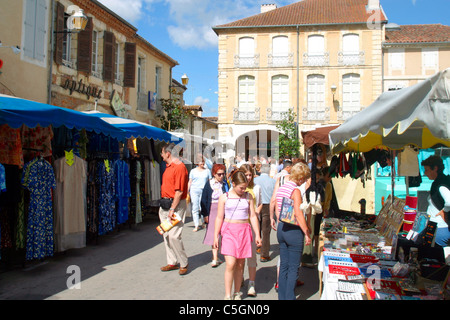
{"x":174,"y":190}
{"x":255,"y":191}
{"x":235,"y":210}
{"x":267,"y":185}
{"x":212,"y":190}
{"x":197,"y":180}
{"x":291,"y":238}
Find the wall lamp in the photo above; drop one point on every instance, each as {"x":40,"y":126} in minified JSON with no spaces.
{"x":333,"y":90}
{"x":76,"y":22}
{"x":15,"y":49}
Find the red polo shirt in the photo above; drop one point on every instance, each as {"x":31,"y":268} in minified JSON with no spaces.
{"x":175,"y":177}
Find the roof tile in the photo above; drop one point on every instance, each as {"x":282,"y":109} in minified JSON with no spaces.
{"x":311,"y":12}
{"x":419,"y":33}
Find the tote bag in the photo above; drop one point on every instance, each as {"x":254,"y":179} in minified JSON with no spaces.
{"x":287,"y":214}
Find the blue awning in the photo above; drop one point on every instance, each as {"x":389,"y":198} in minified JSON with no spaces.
{"x":16,"y":112}
{"x":135,"y":129}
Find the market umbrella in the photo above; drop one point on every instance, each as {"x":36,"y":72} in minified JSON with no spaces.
{"x":418,"y":115}
{"x":133,"y":128}
{"x":317,"y":135}
{"x":16,"y":112}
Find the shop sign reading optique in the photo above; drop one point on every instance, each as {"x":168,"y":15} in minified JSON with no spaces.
{"x":82,"y":88}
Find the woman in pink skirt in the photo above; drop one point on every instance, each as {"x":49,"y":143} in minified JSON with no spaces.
{"x":235,"y":210}
{"x":213,"y":189}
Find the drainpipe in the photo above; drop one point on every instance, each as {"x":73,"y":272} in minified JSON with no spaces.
{"x":50,"y":58}
{"x":298,"y":82}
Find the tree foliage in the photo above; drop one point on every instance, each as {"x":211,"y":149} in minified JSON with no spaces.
{"x":289,"y":143}
{"x":173,"y":115}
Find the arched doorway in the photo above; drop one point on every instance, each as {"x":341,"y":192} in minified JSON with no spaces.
{"x":258,"y":143}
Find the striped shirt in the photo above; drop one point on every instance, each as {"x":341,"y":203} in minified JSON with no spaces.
{"x":285,"y":190}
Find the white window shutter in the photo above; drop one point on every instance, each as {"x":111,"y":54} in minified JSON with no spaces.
{"x":246,"y":47}
{"x":29,"y":27}
{"x":40,"y":35}
{"x":280,"y":46}
{"x":351,"y":43}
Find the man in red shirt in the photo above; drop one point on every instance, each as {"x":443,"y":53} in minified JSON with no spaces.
{"x":174,"y":186}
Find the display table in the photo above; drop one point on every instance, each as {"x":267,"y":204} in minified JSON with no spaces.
{"x":357,"y":264}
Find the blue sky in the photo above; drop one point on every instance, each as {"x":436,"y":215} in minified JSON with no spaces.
{"x":182,"y":29}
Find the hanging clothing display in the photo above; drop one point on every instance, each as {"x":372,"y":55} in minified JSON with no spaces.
{"x":39,"y":179}
{"x":123,"y":190}
{"x":70,"y":202}
{"x":106,"y":197}
{"x":408,"y":162}
{"x":10,"y":146}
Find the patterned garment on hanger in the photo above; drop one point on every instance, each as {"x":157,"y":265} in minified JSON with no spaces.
{"x":106,"y":198}
{"x":39,"y":179}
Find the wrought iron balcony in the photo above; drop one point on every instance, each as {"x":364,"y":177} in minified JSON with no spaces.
{"x":280,"y":60}
{"x":316,"y":114}
{"x":351,"y":58}
{"x":246,"y":115}
{"x":246,"y":62}
{"x":276,"y":115}
{"x":348,"y":112}
{"x":316,"y":60}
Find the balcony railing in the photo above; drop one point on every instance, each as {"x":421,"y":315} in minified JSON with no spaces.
{"x":347,"y":113}
{"x":246,"y":62}
{"x":316,"y":60}
{"x":351,"y":58}
{"x":315,"y":114}
{"x":246,"y":115}
{"x":276,"y":115}
{"x":281,"y":60}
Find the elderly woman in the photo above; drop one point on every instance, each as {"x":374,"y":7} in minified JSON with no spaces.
{"x":291,"y":237}
{"x":212,"y":190}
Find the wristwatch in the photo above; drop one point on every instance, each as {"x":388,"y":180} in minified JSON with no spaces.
{"x":171,"y":209}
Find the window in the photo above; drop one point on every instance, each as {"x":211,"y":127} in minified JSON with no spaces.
{"x":95,"y":66}
{"x":157,"y":84}
{"x":117,"y":57}
{"x":141,"y":75}
{"x":316,"y":55}
{"x":316,"y":97}
{"x":246,"y":47}
{"x":350,"y":44}
{"x":430,"y":58}
{"x":246,"y":93}
{"x":246,"y":57}
{"x":351,"y":95}
{"x":35,"y":29}
{"x":316,"y":45}
{"x":67,"y":47}
{"x":397,"y":58}
{"x":280,"y":94}
{"x":280,"y":52}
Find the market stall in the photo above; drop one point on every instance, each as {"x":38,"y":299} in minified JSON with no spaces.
{"x":414,"y":116}
{"x":68,"y":177}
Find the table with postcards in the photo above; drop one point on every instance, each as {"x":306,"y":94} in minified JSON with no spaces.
{"x":358,"y":260}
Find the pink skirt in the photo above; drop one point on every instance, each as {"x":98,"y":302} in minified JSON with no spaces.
{"x":236,"y":240}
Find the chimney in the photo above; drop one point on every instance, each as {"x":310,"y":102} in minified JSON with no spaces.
{"x":268,"y":7}
{"x":373,"y":5}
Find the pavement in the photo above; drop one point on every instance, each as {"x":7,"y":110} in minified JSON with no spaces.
{"x":125,"y":265}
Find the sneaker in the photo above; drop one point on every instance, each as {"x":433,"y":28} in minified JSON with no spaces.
{"x":228,"y":298}
{"x":237,"y":296}
{"x":265,"y":259}
{"x":251,"y":291}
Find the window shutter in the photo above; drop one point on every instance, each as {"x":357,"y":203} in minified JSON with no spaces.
{"x":29,"y":26}
{"x":59,"y":36}
{"x":129,"y":78}
{"x":41,"y":30}
{"x":85,"y":48}
{"x":108,"y":56}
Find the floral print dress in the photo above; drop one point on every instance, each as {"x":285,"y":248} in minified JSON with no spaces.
{"x":39,"y":179}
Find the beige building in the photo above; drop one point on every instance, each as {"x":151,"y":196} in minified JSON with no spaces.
{"x":413,"y":53}
{"x":319,"y":58}
{"x":25,"y":72}
{"x":107,"y":67}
